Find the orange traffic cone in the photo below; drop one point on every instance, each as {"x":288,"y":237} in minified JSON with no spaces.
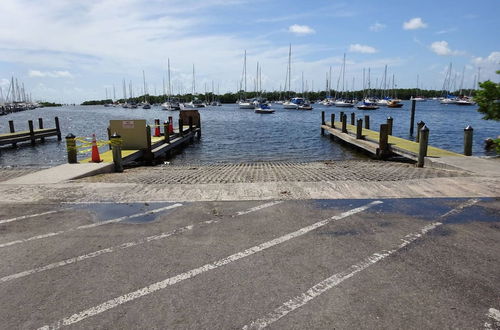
{"x":170,"y":125}
{"x":95,"y":151}
{"x":157,"y":128}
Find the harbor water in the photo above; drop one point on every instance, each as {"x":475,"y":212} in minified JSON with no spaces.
{"x":233,"y":135}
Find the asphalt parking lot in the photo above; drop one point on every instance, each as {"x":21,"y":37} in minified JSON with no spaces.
{"x":298,"y":264}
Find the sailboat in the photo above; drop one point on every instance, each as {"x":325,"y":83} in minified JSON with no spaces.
{"x":245,"y":104}
{"x":146,"y":104}
{"x":294,"y":103}
{"x":171,"y":103}
{"x":342,"y":102}
{"x":448,"y":98}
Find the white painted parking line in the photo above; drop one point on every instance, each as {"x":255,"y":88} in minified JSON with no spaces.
{"x":31,"y":216}
{"x":259,"y":207}
{"x":95,"y":254}
{"x":338,"y":278}
{"x":96,"y":310}
{"x":33,"y":238}
{"x":494,"y":319}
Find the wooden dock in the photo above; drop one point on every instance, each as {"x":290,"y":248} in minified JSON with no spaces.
{"x":30,"y":135}
{"x":370,"y":142}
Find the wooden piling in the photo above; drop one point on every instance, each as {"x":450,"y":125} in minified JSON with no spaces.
{"x":108,"y":130}
{"x":116,"y":144}
{"x":332,"y":120}
{"x":353,"y":118}
{"x":422,"y":148}
{"x":420,"y":124}
{"x":389,"y":125}
{"x":344,"y":123}
{"x":166,"y":135}
{"x":32,"y":132}
{"x":322,"y":122}
{"x":412,"y":116}
{"x":12,"y":130}
{"x":198,"y":135}
{"x":359,"y":129}
{"x":367,"y":122}
{"x":58,"y":128}
{"x":468,"y":133}
{"x":383,"y":143}
{"x":40,"y":126}
{"x":181,"y":133}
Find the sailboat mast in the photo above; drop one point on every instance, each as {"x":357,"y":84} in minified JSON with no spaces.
{"x":169,"y":85}
{"x":144,"y":81}
{"x":289,"y":67}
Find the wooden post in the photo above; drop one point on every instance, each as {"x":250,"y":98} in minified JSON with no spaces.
{"x":412,"y":116}
{"x":383,"y":143}
{"x":40,"y":126}
{"x":148,"y":154}
{"x":344,"y":124}
{"x":32,"y":132}
{"x":190,"y":121}
{"x":322,"y":122}
{"x":58,"y":128}
{"x":109,"y":137}
{"x":199,"y":130}
{"x":420,"y":124}
{"x":116,"y":145}
{"x":71,"y":148}
{"x":12,"y":130}
{"x":353,"y":118}
{"x":389,"y":125}
{"x":341,"y":116}
{"x":367,"y":122}
{"x":181,"y":133}
{"x":166,"y":135}
{"x":359,"y":129}
{"x":422,"y":149}
{"x":332,"y":124}
{"x":468,"y":133}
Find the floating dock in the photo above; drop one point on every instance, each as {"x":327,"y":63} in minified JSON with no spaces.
{"x":370,"y":142}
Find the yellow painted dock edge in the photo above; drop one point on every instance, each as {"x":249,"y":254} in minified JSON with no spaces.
{"x":107,"y":156}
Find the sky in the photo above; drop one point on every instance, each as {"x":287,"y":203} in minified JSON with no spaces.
{"x":69,"y":51}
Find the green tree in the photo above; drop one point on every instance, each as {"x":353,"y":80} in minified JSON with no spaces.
{"x":488,"y":99}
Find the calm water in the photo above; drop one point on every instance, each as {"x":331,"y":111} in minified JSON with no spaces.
{"x":234,"y":135}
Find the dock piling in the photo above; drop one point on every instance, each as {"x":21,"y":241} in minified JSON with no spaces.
{"x":58,"y":129}
{"x":71,"y":148}
{"x":420,"y":124}
{"x":353,"y":118}
{"x":322,"y":123}
{"x":12,"y":130}
{"x":198,"y":135}
{"x":383,"y":143}
{"x":389,"y":125}
{"x":116,"y":145}
{"x":367,"y":122}
{"x":32,"y":132}
{"x":40,"y":126}
{"x":359,"y":129}
{"x":412,"y":116}
{"x":332,"y":122}
{"x":181,"y":133}
{"x":344,"y":123}
{"x":341,"y":115}
{"x":166,"y":135}
{"x":422,"y":148}
{"x":468,"y":133}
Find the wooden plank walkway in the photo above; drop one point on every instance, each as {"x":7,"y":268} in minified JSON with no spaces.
{"x":370,"y":143}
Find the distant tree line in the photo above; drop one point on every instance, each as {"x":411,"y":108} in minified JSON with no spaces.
{"x":49,"y":104}
{"x":404,"y":94}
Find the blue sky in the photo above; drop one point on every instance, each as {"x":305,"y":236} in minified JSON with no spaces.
{"x":70,"y":51}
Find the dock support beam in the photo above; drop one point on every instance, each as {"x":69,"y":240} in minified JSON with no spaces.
{"x":32,"y":132}
{"x":468,"y":133}
{"x":181,"y":133}
{"x":389,"y":125}
{"x":166,"y":135}
{"x":344,"y":123}
{"x":412,"y":116}
{"x":422,"y":148}
{"x":383,"y":143}
{"x":353,"y":118}
{"x":12,"y":130}
{"x":71,"y":148}
{"x":359,"y":129}
{"x":40,"y":126}
{"x":420,"y":124}
{"x":322,"y":122}
{"x":367,"y":122}
{"x":58,"y":129}
{"x":332,"y":122}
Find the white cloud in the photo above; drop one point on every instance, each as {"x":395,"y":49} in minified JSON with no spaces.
{"x":377,"y":27}
{"x":357,"y":48}
{"x":414,"y":23}
{"x":50,"y":74}
{"x":301,"y":29}
{"x":446,"y":30}
{"x":489,"y":65}
{"x":442,"y":48}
